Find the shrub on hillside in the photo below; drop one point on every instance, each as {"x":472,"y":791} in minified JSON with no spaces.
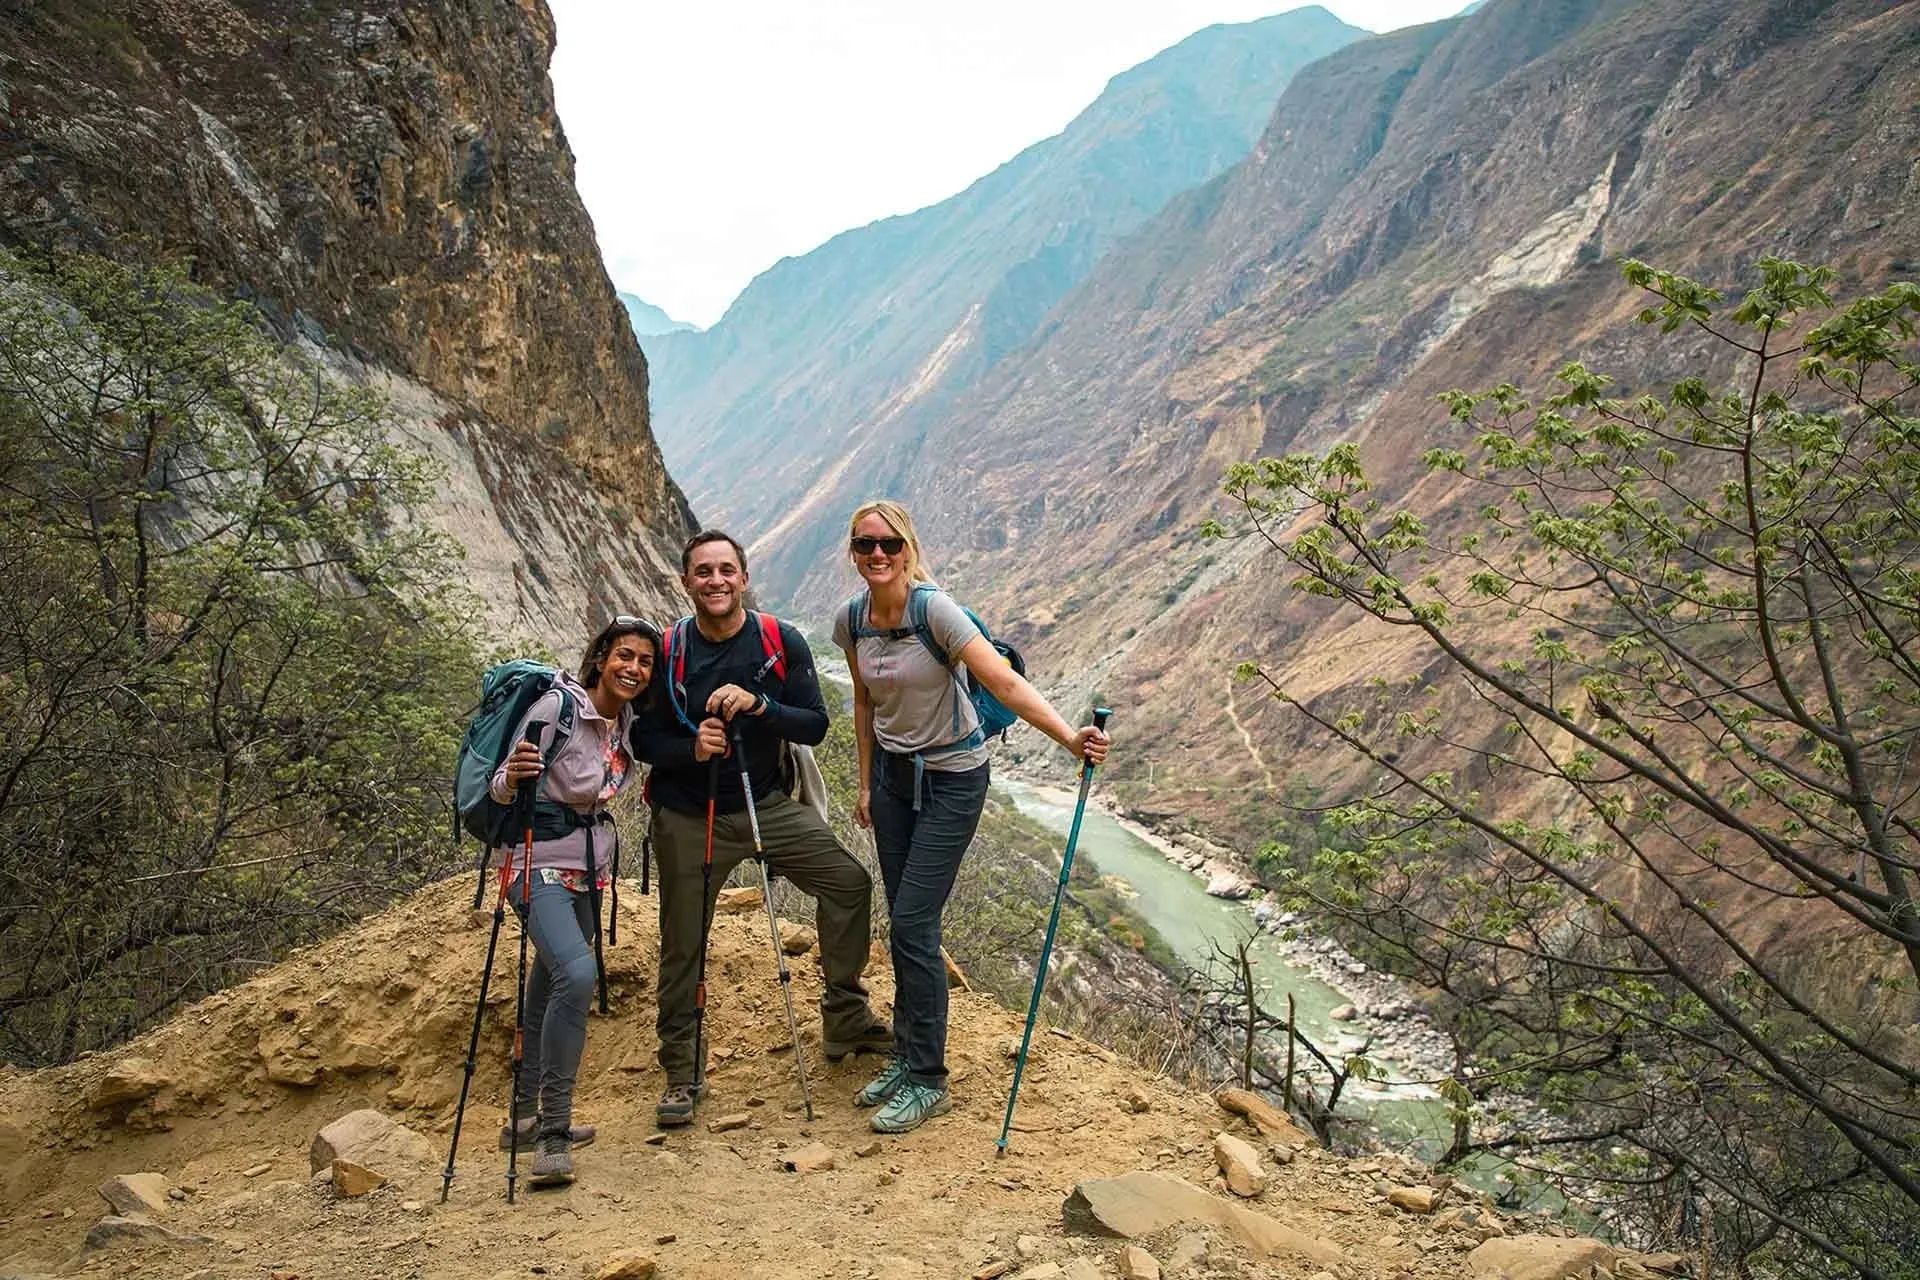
{"x":231,"y":667}
{"x":1642,"y":807}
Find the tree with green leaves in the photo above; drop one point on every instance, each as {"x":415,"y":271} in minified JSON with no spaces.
{"x":1643,"y":815}
{"x":232,"y":661}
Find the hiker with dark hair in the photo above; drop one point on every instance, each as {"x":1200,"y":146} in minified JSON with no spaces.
{"x":728,"y":668}
{"x":923,"y":777}
{"x":575,"y":844}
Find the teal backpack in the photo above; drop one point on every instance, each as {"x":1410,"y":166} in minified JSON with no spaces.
{"x":993,"y":714}
{"x":506,"y":693}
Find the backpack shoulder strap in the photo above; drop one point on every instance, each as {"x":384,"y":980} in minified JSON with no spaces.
{"x":772,"y":645}
{"x":562,"y":723}
{"x":923,"y":593}
{"x":676,"y":665}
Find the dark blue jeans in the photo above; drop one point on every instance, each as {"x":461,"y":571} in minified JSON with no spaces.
{"x":919,"y":858}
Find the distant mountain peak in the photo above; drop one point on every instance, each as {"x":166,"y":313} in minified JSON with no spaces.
{"x":883,"y":325}
{"x":650,"y":321}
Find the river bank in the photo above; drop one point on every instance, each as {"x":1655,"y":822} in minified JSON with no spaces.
{"x":1335,"y":1006}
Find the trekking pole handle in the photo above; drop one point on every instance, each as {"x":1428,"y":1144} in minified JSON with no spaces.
{"x":1100,"y":715}
{"x":534,"y":729}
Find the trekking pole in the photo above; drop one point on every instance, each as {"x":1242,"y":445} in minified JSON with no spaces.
{"x":473,"y":1041}
{"x":1100,"y":715}
{"x":773,"y":921}
{"x":520,"y":986}
{"x":706,"y":923}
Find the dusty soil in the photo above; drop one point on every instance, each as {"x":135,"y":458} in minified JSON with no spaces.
{"x":379,"y":1016}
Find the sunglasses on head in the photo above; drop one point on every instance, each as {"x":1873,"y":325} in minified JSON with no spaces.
{"x":863,"y":545}
{"x":625,"y":621}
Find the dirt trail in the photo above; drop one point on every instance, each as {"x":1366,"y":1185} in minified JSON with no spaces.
{"x":1253,"y":748}
{"x":379,"y":1016}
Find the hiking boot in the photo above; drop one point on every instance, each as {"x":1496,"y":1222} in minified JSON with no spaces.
{"x":581,"y":1134}
{"x":884,"y":1085}
{"x":552,"y":1161}
{"x":876,"y":1038}
{"x":676,"y":1105}
{"x":910,"y":1106}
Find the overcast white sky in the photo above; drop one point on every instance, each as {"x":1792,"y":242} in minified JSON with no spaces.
{"x":716,"y":137}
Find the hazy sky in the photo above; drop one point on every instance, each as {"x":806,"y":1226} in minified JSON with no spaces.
{"x":715,"y":138}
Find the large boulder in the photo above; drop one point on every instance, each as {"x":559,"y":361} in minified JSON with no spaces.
{"x":1225,"y":884}
{"x":1539,"y":1258}
{"x":370,"y":1139}
{"x":735,"y":901}
{"x":136,"y":1194}
{"x":1139,"y":1204}
{"x":114,"y":1229}
{"x":1270,"y":1120}
{"x":1239,"y":1165}
{"x":628,"y":1266}
{"x":127,"y":1080}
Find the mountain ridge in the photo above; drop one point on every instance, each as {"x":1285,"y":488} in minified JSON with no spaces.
{"x":918,"y":306}
{"x":649,"y":321}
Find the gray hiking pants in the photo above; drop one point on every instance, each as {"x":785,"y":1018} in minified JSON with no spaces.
{"x":559,"y":989}
{"x":800,"y":847}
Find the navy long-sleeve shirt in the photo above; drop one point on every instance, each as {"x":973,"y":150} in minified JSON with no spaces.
{"x":795,"y":713}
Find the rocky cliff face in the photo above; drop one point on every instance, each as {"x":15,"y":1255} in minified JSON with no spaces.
{"x":830,"y":364}
{"x":391,"y":185}
{"x":1438,"y":207}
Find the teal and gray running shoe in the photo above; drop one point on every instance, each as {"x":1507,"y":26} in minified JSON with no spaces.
{"x":884,"y":1085}
{"x":910,"y":1106}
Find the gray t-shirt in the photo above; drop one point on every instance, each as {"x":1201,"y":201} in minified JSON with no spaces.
{"x":918,"y":704}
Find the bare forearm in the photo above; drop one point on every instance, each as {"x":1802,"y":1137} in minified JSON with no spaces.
{"x":1015,"y":693}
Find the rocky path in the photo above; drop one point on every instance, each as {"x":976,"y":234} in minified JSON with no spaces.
{"x":222,"y":1106}
{"x":1239,"y":726}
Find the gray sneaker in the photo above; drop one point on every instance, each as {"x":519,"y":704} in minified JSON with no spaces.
{"x":676,"y":1105}
{"x":877,"y":1037}
{"x":884,"y":1085}
{"x":552,"y":1161}
{"x":581,"y":1135}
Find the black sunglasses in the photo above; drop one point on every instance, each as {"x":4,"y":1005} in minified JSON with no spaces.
{"x":627,"y":621}
{"x":866,"y":546}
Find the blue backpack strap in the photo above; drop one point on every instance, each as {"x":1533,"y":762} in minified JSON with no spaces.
{"x":676,"y":665}
{"x":923,"y":593}
{"x":917,"y":603}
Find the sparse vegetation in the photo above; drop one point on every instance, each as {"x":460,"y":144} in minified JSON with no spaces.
{"x":1667,"y":692}
{"x":232,"y":670}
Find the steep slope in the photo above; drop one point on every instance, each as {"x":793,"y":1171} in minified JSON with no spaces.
{"x":1433,"y":208}
{"x":648,"y":320}
{"x":394,"y":189}
{"x":837,"y":350}
{"x":224,"y":1101}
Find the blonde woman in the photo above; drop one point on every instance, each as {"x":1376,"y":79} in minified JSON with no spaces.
{"x":923,"y":779}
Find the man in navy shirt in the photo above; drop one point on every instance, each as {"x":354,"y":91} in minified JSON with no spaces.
{"x":728,"y":680}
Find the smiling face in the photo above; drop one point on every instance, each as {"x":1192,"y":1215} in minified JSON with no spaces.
{"x":869,"y":546}
{"x":715,"y":581}
{"x":628,"y":667}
